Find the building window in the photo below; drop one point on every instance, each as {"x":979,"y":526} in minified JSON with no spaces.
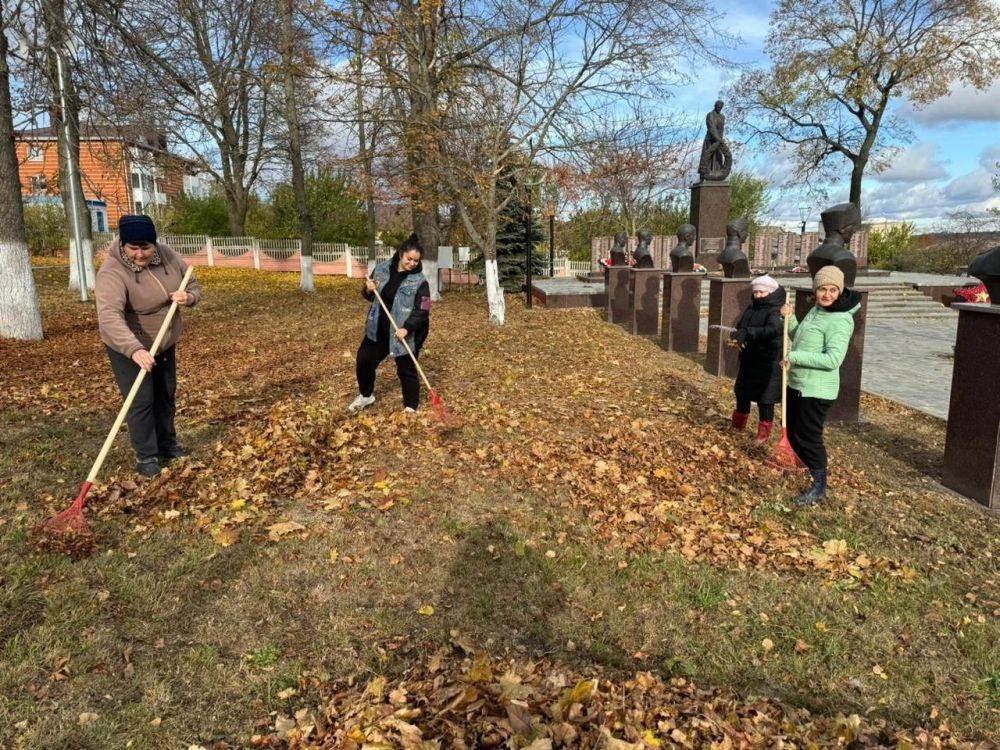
{"x":157,"y":185}
{"x":37,"y":184}
{"x":138,"y":207}
{"x":147,"y":183}
{"x":102,"y":224}
{"x":136,"y":183}
{"x":35,"y":153}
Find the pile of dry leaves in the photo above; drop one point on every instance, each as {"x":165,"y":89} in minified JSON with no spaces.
{"x":458,"y":699}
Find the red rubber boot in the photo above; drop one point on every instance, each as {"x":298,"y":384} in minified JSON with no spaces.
{"x":739,"y":420}
{"x":764,"y":430}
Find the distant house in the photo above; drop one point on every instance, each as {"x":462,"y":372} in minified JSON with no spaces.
{"x":122,"y":172}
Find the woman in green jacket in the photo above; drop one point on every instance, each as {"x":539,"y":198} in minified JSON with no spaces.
{"x":818,"y":347}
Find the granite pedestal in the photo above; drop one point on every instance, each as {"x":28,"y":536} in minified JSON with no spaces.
{"x":681,"y":310}
{"x":709,"y":214}
{"x":618,"y":303}
{"x":727,"y":299}
{"x":972,"y":442}
{"x":646,"y":284}
{"x":847,"y":407}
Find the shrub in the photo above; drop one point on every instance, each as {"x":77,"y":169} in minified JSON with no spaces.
{"x":885,"y":248}
{"x":45,"y":225}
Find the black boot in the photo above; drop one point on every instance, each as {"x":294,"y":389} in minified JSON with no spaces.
{"x":148,"y":467}
{"x":818,"y":490}
{"x":172,"y":453}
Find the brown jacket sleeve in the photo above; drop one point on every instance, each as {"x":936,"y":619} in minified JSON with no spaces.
{"x":110,"y":292}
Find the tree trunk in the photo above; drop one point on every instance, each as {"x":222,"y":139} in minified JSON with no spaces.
{"x":70,"y":178}
{"x":365,"y":149}
{"x":236,"y":209}
{"x":306,"y":283}
{"x":19,"y":314}
{"x":857,"y":173}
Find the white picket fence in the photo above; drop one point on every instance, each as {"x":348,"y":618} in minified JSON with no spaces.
{"x":285,"y":255}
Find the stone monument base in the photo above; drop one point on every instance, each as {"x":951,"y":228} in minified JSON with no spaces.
{"x":727,"y":299}
{"x":645,"y":285}
{"x":681,"y":311}
{"x":618,"y":302}
{"x":972,"y":442}
{"x":709,"y":214}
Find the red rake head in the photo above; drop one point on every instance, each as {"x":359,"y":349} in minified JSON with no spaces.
{"x":68,"y":531}
{"x":444,"y":414}
{"x":784,"y":457}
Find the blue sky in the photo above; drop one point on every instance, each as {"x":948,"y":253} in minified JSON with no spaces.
{"x":946,"y":168}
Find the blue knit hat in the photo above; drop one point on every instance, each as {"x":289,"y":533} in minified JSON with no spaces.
{"x":135,"y":229}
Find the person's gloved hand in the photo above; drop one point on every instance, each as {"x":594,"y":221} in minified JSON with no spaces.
{"x":739,"y":336}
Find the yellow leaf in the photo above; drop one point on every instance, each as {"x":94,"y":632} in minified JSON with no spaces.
{"x":238,"y":504}
{"x":282,"y":528}
{"x":768,"y":644}
{"x":334,"y":555}
{"x":225,"y":536}
{"x":427,"y":610}
{"x":650,"y":738}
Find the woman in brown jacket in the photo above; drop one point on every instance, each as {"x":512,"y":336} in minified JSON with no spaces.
{"x":135,"y":286}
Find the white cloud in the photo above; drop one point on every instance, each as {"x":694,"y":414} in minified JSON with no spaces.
{"x":990,"y":157}
{"x":962,"y":104}
{"x":916,"y":164}
{"x":970,"y":188}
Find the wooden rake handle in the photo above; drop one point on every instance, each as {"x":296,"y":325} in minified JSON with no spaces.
{"x":138,"y":382}
{"x":784,"y":374}
{"x":395,"y":328}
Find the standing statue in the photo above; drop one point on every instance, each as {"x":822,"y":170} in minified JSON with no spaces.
{"x":643,"y":257}
{"x":986,"y":268}
{"x":839,"y":223}
{"x":716,"y":159}
{"x":682,"y":256}
{"x":619,"y":249}
{"x":732,"y":258}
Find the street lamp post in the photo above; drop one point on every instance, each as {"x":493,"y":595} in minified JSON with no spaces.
{"x":803,"y":214}
{"x":527,"y":246}
{"x":81,"y":270}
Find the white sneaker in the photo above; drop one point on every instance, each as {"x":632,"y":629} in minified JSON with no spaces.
{"x":409,"y":410}
{"x":360,"y":403}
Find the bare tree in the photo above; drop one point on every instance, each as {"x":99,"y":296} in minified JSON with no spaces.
{"x":839,"y":63}
{"x":291,"y":63}
{"x":206,"y":72}
{"x":632,"y":164}
{"x":524,"y":95}
{"x":19,"y":313}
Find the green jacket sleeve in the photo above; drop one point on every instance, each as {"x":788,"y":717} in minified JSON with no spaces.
{"x":793,"y":323}
{"x":837,"y":339}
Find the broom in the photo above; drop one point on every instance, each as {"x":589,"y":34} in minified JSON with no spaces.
{"x":443,"y":412}
{"x":71,"y":522}
{"x":783,"y":456}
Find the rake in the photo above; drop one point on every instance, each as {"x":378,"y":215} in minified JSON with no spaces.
{"x":71,"y":523}
{"x":783,"y":456}
{"x":443,"y":413}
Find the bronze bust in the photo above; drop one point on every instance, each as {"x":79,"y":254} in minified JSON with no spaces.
{"x":643,"y":257}
{"x":839,"y":223}
{"x":682,"y":256}
{"x":986,"y":268}
{"x":619,"y":249}
{"x":733,"y":260}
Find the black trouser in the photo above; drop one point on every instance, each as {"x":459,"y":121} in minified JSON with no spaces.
{"x":805,"y":427}
{"x":370,"y":355}
{"x":150,"y":419}
{"x":766,"y":410}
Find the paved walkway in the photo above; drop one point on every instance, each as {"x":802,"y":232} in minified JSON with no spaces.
{"x":911,"y":362}
{"x":907,"y":362}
